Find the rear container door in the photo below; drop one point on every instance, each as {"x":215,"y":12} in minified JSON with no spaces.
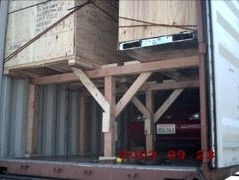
{"x":223,"y":35}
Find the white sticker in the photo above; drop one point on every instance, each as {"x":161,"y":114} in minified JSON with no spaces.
{"x":166,"y":129}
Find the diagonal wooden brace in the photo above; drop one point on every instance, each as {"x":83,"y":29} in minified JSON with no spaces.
{"x":141,"y":107}
{"x":162,"y":109}
{"x":131,"y":92}
{"x":94,"y":91}
{"x":107,"y":103}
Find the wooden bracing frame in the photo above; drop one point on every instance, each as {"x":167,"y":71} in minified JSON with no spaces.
{"x":177,"y":63}
{"x":83,"y":125}
{"x":32,"y":120}
{"x":107,"y":100}
{"x":151,"y":117}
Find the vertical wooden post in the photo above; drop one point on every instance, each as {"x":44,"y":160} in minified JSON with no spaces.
{"x":149,"y":122}
{"x":83,"y":126}
{"x":32,"y":120}
{"x":109,"y":137}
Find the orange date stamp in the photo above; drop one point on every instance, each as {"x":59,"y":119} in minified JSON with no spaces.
{"x":181,"y":155}
{"x":171,"y":155}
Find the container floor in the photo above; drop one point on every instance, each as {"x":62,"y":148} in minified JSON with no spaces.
{"x":94,"y":161}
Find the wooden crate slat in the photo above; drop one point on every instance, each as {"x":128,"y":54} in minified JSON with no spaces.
{"x":159,"y":12}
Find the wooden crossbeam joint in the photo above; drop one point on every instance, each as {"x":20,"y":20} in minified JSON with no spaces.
{"x":141,"y":107}
{"x":94,"y":91}
{"x":108,"y":125}
{"x":131,"y":92}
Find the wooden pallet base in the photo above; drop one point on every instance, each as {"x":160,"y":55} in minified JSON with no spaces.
{"x":49,"y":67}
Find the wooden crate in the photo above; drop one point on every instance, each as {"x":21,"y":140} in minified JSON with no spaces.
{"x":164,"y":12}
{"x":87,"y":38}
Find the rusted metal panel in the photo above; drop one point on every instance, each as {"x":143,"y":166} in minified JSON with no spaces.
{"x":97,"y":171}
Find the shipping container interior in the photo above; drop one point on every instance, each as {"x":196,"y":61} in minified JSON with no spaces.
{"x":63,"y":136}
{"x":158,"y":121}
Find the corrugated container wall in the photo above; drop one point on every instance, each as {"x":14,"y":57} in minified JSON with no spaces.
{"x":58,"y":120}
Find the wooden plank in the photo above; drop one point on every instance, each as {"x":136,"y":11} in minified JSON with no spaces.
{"x":150,"y":101}
{"x":167,"y":104}
{"x":171,"y":85}
{"x":109,"y":137}
{"x":154,"y":86}
{"x":106,"y":122}
{"x":36,"y":64}
{"x":177,"y":63}
{"x":82,"y":64}
{"x":131,"y":92}
{"x":166,"y":85}
{"x":145,"y":87}
{"x":56,"y":79}
{"x":145,"y":67}
{"x":108,"y":160}
{"x":131,"y":62}
{"x":110,"y":97}
{"x":97,"y":95}
{"x":83,"y":125}
{"x":149,"y":122}
{"x":110,"y":92}
{"x":109,"y":65}
{"x":32,"y":119}
{"x":159,"y":12}
{"x":141,"y":107}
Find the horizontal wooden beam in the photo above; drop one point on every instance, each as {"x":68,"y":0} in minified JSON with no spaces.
{"x":145,"y":87}
{"x":145,"y":67}
{"x":170,"y":85}
{"x":55,"y":79}
{"x":163,"y":86}
{"x":154,"y":66}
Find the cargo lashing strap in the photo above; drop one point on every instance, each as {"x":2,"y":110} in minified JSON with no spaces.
{"x":76,"y":8}
{"x":185,"y":27}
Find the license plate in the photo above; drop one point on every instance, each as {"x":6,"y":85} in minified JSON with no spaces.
{"x":166,"y":129}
